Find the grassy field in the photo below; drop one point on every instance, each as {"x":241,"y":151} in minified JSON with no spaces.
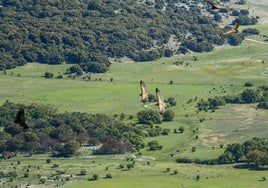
{"x":221,"y":72}
{"x":209,"y":76}
{"x":146,"y":172}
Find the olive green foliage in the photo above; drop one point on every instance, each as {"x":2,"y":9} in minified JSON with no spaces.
{"x":248,"y":84}
{"x":255,"y":151}
{"x":89,"y":32}
{"x":113,"y":146}
{"x":75,"y":69}
{"x":168,"y":115}
{"x":154,"y":145}
{"x":48,"y":75}
{"x":64,"y":133}
{"x":149,"y":117}
{"x":259,"y":95}
{"x":251,"y":31}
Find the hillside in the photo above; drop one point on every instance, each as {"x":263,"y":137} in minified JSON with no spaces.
{"x":94,"y":33}
{"x":93,"y":130}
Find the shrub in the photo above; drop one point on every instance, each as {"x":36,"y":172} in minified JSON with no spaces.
{"x":198,"y":177}
{"x":59,"y":76}
{"x":148,"y":117}
{"x":55,"y":165}
{"x":42,"y":181}
{"x":248,"y":84}
{"x":109,"y":176}
{"x":26,"y":175}
{"x":121,"y":166}
{"x":48,"y":75}
{"x":95,"y":176}
{"x":130,"y":165}
{"x":171,"y":101}
{"x":83,"y":172}
{"x":152,"y":97}
{"x":251,"y":31}
{"x":154,"y":145}
{"x":75,"y":69}
{"x":181,"y":129}
{"x":165,"y":131}
{"x":168,"y":115}
{"x":184,"y":160}
{"x":250,"y":96}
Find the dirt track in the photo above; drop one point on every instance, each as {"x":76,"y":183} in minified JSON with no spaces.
{"x":260,"y":42}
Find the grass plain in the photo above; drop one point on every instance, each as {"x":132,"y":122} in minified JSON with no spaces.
{"x":221,"y":72}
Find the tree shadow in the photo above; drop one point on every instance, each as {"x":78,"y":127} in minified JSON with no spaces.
{"x":250,"y":167}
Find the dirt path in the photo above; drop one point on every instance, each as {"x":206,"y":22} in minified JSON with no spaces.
{"x":260,"y":42}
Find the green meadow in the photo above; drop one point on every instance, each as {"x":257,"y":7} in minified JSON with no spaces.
{"x":221,"y":72}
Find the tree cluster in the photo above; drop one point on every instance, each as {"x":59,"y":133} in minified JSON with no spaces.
{"x":259,"y":95}
{"x":151,"y":117}
{"x":90,"y":32}
{"x":64,"y":133}
{"x":254,"y":151}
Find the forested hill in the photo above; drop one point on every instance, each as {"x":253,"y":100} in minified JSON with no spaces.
{"x":90,"y":32}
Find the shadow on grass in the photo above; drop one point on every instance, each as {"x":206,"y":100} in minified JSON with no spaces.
{"x":250,"y":167}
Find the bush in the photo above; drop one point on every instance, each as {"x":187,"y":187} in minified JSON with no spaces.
{"x":130,"y":165}
{"x":171,"y":101}
{"x":168,"y":115}
{"x":48,"y":75}
{"x":95,"y":176}
{"x":251,"y":31}
{"x":121,"y":166}
{"x":56,"y":165}
{"x":109,"y":176}
{"x":148,"y":117}
{"x":184,"y":160}
{"x":248,"y":84}
{"x":75,"y":69}
{"x":250,"y":96}
{"x":263,"y":105}
{"x":42,"y":181}
{"x":26,"y":175}
{"x":235,"y":40}
{"x":181,"y":129}
{"x":154,"y":145}
{"x":83,"y":172}
{"x":152,"y":97}
{"x":165,"y":131}
{"x":59,"y":76}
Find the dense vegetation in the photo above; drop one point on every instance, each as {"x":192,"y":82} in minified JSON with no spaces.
{"x":63,"y":134}
{"x":255,"y":151}
{"x":90,"y":32}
